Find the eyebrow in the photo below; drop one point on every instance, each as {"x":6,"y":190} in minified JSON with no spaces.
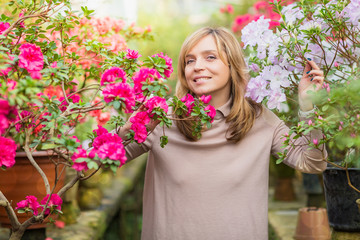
{"x":203,"y":52}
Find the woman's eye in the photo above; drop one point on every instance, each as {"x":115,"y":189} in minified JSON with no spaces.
{"x":190,"y":61}
{"x":211,"y":57}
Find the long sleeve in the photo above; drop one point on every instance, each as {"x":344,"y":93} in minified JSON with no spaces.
{"x":301,"y":157}
{"x":133,"y":150}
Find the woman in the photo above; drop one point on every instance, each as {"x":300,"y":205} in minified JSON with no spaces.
{"x":217,"y":187}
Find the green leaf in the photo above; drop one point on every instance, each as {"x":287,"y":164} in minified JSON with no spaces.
{"x":92,"y":165}
{"x":46,"y":146}
{"x":116,"y":104}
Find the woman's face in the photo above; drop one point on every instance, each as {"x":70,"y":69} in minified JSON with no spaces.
{"x":206,"y":73}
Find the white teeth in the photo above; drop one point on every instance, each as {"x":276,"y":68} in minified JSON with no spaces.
{"x":200,"y":79}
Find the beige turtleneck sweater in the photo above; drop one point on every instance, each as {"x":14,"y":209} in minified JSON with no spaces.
{"x":213,"y":189}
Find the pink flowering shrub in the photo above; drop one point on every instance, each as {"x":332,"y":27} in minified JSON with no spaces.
{"x":74,"y":72}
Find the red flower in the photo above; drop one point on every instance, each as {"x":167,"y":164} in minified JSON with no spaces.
{"x":132,"y":54}
{"x":168,"y":62}
{"x":140,"y":117}
{"x":31,"y":57}
{"x":140,"y":132}
{"x":205,"y":99}
{"x":79,"y":166}
{"x":210,"y":111}
{"x":113,"y":74}
{"x":7,"y":152}
{"x":121,"y":91}
{"x":156,"y":102}
{"x":30,"y":203}
{"x":3,"y":27}
{"x":112,"y":150}
{"x":54,"y":203}
{"x":100,"y":130}
{"x":189,"y":102}
{"x":144,"y":75}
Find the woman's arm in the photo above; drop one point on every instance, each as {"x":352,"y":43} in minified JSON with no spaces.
{"x":299,"y":154}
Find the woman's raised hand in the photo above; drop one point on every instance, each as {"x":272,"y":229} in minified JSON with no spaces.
{"x":312,"y":80}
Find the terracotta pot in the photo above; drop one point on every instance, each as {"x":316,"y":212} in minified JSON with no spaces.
{"x":23,"y":179}
{"x":313,"y":224}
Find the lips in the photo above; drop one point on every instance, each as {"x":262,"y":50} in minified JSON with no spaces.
{"x":201,"y":79}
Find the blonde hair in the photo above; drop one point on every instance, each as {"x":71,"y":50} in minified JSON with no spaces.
{"x":243,"y":110}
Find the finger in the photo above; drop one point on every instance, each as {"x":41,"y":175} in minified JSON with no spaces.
{"x":318,"y":81}
{"x":316,"y":73}
{"x":307,"y":68}
{"x":313,"y":65}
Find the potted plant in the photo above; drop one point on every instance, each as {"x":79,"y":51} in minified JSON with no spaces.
{"x":62,"y":70}
{"x":326,"y":32}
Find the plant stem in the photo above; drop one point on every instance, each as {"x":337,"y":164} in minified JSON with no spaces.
{"x":33,"y":162}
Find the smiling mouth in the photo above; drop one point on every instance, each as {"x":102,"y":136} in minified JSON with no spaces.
{"x":202,"y":79}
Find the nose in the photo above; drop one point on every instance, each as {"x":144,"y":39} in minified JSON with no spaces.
{"x":199,"y":64}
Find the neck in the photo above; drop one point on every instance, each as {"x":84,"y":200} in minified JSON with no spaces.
{"x":218,"y":101}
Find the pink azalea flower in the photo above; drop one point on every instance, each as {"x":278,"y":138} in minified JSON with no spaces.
{"x":106,"y":137}
{"x":31,"y":57}
{"x":310,"y":122}
{"x":140,"y":132}
{"x":59,"y":224}
{"x":112,"y":150}
{"x":4,"y":124}
{"x":168,"y":62}
{"x":4,"y":107}
{"x":54,"y":64}
{"x":11,"y":84}
{"x":315,"y":141}
{"x":230,"y":8}
{"x":113,"y":74}
{"x":79,"y":166}
{"x":7,"y":152}
{"x":23,"y":114}
{"x":116,"y":91}
{"x":35,"y":75}
{"x":156,"y":102}
{"x":76,"y":139}
{"x":100,"y":130}
{"x":189,"y":102}
{"x":54,"y":203}
{"x":211,"y":112}
{"x":144,"y":75}
{"x":30,"y":202}
{"x":3,"y":27}
{"x":103,"y":118}
{"x":132,"y":54}
{"x":21,"y":204}
{"x":205,"y":99}
{"x":75,"y":98}
{"x":141,"y":118}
